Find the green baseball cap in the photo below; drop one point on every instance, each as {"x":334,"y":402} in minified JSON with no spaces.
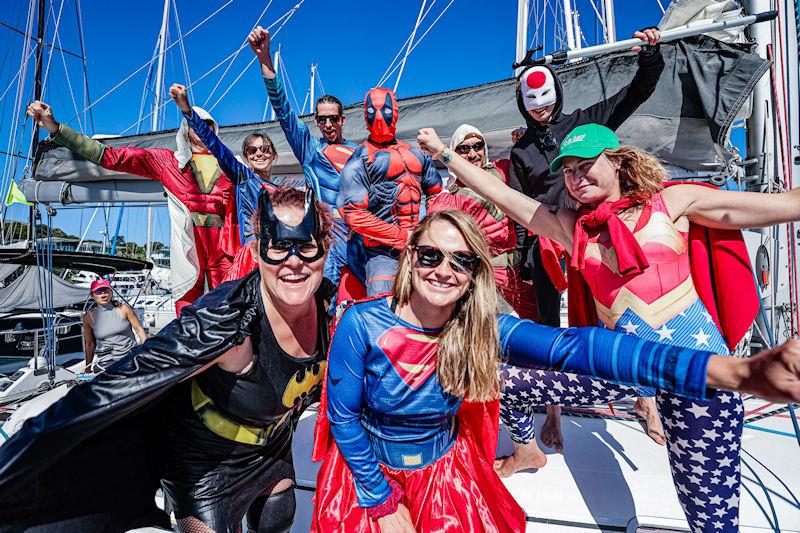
{"x":586,"y":141}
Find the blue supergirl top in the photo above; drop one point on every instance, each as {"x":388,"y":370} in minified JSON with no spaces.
{"x":386,"y":405}
{"x":247,"y":183}
{"x":321,"y":161}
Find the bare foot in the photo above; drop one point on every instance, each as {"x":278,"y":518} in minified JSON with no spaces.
{"x":551,"y":430}
{"x":525,"y":456}
{"x":646,"y":408}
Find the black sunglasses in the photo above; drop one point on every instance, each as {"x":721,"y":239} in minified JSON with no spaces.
{"x":431,"y":257}
{"x":464,"y":149}
{"x":322,"y":119}
{"x":253,"y":150}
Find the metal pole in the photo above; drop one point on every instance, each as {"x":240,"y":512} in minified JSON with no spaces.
{"x":522,"y":31}
{"x":162,"y":38}
{"x":576,"y":27}
{"x":275,"y":63}
{"x":568,"y":22}
{"x":37,"y":78}
{"x":311,"y":108}
{"x":610,"y":22}
{"x":680,"y":32}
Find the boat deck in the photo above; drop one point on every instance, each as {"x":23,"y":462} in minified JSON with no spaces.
{"x":612,"y":477}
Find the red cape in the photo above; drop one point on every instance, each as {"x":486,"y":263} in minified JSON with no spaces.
{"x":720,"y":270}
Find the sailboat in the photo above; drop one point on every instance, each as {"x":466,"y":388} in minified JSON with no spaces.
{"x":611,"y":477}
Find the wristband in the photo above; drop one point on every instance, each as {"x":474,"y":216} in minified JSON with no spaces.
{"x":390,"y":505}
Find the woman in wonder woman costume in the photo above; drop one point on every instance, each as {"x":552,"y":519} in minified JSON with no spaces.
{"x":631,"y":242}
{"x":410,"y":455}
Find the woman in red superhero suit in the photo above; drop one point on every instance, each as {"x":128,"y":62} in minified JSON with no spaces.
{"x":630,"y":242}
{"x":410,"y":454}
{"x":192,"y":177}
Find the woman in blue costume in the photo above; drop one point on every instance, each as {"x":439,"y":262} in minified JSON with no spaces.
{"x":410,"y":454}
{"x":630,"y":241}
{"x":249,"y":178}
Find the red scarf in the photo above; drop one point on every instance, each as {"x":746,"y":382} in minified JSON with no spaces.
{"x":630,"y":257}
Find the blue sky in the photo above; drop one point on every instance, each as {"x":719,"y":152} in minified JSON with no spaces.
{"x":352,"y":41}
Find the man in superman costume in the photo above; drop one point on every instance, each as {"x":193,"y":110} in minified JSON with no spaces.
{"x":383,"y":186}
{"x":205,"y":235}
{"x":322,"y":158}
{"x":206,"y":409}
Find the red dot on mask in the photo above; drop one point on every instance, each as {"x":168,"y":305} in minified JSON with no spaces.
{"x":536,"y":79}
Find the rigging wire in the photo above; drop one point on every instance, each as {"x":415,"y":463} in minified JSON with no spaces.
{"x":86,"y":96}
{"x":50,"y":53}
{"x":138,"y":70}
{"x":57,"y":37}
{"x":182,"y":48}
{"x":410,"y":41}
{"x":386,"y":73}
{"x":426,"y":33}
{"x":208,"y":98}
{"x":285,"y":76}
{"x":285,"y":16}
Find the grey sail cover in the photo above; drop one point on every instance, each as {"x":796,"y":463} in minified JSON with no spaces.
{"x":25,"y":292}
{"x":703,"y":87}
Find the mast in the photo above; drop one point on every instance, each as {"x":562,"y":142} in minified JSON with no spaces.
{"x":610,"y":22}
{"x":162,"y":38}
{"x":568,"y":21}
{"x":275,"y":63}
{"x":311,"y":88}
{"x":37,"y":77}
{"x":522,"y":30}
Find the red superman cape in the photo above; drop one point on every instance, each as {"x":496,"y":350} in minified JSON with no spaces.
{"x":720,"y":270}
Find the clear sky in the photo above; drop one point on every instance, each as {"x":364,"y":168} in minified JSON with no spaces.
{"x":352,"y":41}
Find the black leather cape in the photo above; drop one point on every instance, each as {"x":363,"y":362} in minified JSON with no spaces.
{"x":90,"y":461}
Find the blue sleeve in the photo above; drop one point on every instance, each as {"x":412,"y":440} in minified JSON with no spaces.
{"x":346,"y":368}
{"x":605,"y":354}
{"x":236,"y":171}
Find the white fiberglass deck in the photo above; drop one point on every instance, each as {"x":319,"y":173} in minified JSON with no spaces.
{"x":612,"y":477}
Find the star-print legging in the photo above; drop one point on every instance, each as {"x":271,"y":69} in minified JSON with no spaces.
{"x":703,"y":438}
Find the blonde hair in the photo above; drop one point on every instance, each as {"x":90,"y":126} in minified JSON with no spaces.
{"x":469,"y":346}
{"x":641,"y":175}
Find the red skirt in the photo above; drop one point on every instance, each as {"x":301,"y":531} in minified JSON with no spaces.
{"x":458,"y":492}
{"x":241,"y":265}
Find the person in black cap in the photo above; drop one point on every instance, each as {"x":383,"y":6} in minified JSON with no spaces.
{"x":206,"y":409}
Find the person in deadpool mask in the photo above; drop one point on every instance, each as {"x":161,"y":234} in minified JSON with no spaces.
{"x":382,"y":187}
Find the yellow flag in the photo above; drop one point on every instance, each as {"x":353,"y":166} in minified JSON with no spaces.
{"x":15,"y":195}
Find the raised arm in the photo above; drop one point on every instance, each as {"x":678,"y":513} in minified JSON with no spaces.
{"x":127,"y":159}
{"x":731,"y":209}
{"x":295,"y":130}
{"x":526,"y":211}
{"x":606,"y":354}
{"x":236,"y":171}
{"x":615,"y":110}
{"x":346,"y":371}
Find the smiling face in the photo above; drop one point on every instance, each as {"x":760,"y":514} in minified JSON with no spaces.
{"x":591,"y":181}
{"x":330,"y":122}
{"x":292,"y":282}
{"x":102,"y":296}
{"x":439,"y":287}
{"x":473,"y":149}
{"x":260,"y":154}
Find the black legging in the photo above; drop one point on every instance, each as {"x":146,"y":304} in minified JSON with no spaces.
{"x":548,"y":299}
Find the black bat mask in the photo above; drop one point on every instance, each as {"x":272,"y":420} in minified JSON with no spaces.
{"x":279,"y":241}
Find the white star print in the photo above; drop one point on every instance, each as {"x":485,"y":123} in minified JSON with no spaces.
{"x":738,"y":408}
{"x":698,"y":469}
{"x":724,"y":398}
{"x":694,"y":480}
{"x":724,"y":463}
{"x":675,"y":401}
{"x":700,"y":338}
{"x":720,"y":513}
{"x":514,"y":372}
{"x":698,"y":456}
{"x":714,"y":480}
{"x":683,"y":443}
{"x":664,"y":333}
{"x":559,"y":387}
{"x":724,"y":413}
{"x":708,"y":316}
{"x":508,"y":384}
{"x":704,"y":490}
{"x":697,"y":501}
{"x":680,"y":468}
{"x":680,"y":424}
{"x":716,"y":472}
{"x":703,"y":445}
{"x":728,"y":435}
{"x":732,"y":502}
{"x":630,"y":327}
{"x":730,"y":481}
{"x":703,"y":516}
{"x":699,"y":410}
{"x":710,"y":434}
{"x":572,"y":377}
{"x":715,"y":500}
{"x":717,"y":524}
{"x":526,"y":376}
{"x":717,"y":423}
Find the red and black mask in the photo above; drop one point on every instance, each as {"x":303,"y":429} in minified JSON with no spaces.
{"x":380,"y":112}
